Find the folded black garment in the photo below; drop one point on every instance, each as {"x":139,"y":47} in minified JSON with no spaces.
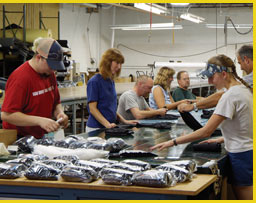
{"x":161,"y":125}
{"x":136,"y":153}
{"x":207,"y":147}
{"x":165,"y":117}
{"x":118,"y":132}
{"x":125,"y":126}
{"x":207,"y":113}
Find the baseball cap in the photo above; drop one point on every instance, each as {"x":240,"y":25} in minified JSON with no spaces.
{"x":51,"y":50}
{"x":211,"y":69}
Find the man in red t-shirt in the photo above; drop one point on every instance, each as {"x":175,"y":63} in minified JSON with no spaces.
{"x":32,"y":97}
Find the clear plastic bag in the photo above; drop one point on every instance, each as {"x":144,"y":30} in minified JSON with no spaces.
{"x":40,"y":171}
{"x":153,"y":178}
{"x":78,"y":174}
{"x":11,"y":170}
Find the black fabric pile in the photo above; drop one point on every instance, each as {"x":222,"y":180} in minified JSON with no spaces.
{"x":207,"y":147}
{"x":162,"y":125}
{"x":165,"y":117}
{"x":207,"y":113}
{"x":118,"y":132}
{"x":136,"y":153}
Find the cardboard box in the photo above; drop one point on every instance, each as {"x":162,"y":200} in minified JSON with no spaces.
{"x":8,"y":137}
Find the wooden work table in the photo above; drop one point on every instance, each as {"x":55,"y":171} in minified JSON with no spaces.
{"x":78,"y":190}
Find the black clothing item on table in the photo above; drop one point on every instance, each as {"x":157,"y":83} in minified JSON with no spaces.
{"x":165,"y":117}
{"x":161,"y":125}
{"x":207,"y":113}
{"x":207,"y":147}
{"x":118,"y":131}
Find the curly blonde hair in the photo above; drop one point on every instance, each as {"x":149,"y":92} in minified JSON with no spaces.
{"x":223,"y":60}
{"x":162,"y":77}
{"x":106,"y":61}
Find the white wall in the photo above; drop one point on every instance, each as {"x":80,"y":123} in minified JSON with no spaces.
{"x":192,"y":39}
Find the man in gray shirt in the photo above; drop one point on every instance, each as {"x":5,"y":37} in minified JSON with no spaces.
{"x":132,"y":104}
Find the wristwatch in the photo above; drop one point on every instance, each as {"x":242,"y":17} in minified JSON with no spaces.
{"x":175,"y":142}
{"x":195,"y":107}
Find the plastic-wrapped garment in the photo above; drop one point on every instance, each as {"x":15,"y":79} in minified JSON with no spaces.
{"x":105,"y":161}
{"x":136,"y":153}
{"x":11,"y":170}
{"x":40,"y":171}
{"x":127,"y":167}
{"x":70,"y":158}
{"x":116,"y":144}
{"x":179,"y":174}
{"x":162,"y":125}
{"x":25,"y":161}
{"x":189,"y":165}
{"x":98,"y":145}
{"x":75,"y":137}
{"x":47,"y":141}
{"x":35,"y":157}
{"x":65,"y":143}
{"x":116,"y":176}
{"x":153,"y":178}
{"x":56,"y":163}
{"x":94,"y":165}
{"x":26,"y":144}
{"x":144,"y":165}
{"x":79,"y":144}
{"x":207,"y":147}
{"x":118,"y":132}
{"x":78,"y":174}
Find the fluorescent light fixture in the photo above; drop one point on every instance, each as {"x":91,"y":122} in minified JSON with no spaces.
{"x":221,"y":26}
{"x":154,"y":8}
{"x":155,"y":26}
{"x":192,"y":17}
{"x":179,"y":4}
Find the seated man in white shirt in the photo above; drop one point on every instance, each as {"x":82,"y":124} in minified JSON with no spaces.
{"x":132,"y":104}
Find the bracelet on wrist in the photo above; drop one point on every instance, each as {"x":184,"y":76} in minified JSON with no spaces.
{"x":195,"y":107}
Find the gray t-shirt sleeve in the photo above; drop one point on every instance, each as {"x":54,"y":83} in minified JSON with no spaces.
{"x":130,"y":102}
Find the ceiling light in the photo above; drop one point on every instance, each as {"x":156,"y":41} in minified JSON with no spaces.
{"x":192,"y":17}
{"x":221,"y":26}
{"x":154,"y":8}
{"x":155,"y":26}
{"x":179,"y":4}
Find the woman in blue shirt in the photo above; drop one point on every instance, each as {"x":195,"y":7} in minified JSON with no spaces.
{"x":101,"y":93}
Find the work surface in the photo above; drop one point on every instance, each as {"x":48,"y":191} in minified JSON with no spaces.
{"x":193,"y":187}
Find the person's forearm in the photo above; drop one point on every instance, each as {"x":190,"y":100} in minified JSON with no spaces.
{"x":58,"y":110}
{"x":99,"y":117}
{"x":146,"y":114}
{"x":20,"y":119}
{"x":210,"y":101}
